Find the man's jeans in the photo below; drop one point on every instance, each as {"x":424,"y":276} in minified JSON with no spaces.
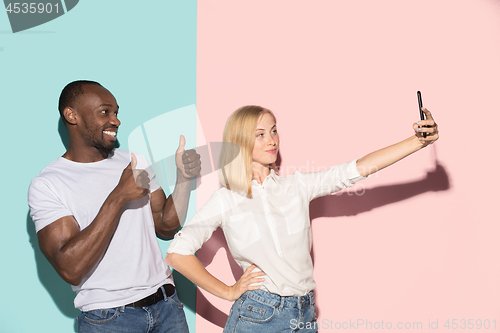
{"x":263,"y":312}
{"x":162,"y":317}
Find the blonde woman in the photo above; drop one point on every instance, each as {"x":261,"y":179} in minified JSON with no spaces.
{"x":265,"y":219}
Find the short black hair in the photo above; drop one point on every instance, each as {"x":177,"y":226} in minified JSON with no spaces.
{"x":71,"y":93}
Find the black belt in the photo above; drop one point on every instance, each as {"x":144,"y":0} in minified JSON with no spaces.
{"x":154,"y":298}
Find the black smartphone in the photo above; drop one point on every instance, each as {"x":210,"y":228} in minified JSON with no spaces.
{"x":420,"y":105}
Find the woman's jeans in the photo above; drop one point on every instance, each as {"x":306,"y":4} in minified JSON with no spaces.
{"x":260,"y":311}
{"x":165,"y":316}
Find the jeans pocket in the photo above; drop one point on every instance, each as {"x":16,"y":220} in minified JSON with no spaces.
{"x":100,"y":316}
{"x":256,"y":312}
{"x":174,"y":299}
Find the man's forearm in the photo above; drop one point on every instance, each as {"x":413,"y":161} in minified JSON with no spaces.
{"x":174,"y":211}
{"x":80,"y":251}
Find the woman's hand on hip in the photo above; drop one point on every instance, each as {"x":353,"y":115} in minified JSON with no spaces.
{"x":245,"y":283}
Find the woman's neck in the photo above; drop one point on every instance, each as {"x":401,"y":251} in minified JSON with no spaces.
{"x":260,"y":172}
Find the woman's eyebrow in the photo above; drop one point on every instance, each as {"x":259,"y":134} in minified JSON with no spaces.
{"x":263,"y":129}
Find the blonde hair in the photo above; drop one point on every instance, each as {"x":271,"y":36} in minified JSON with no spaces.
{"x":236,"y":154}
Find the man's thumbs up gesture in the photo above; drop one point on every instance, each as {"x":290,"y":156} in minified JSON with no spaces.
{"x":134,"y":183}
{"x":187,"y":161}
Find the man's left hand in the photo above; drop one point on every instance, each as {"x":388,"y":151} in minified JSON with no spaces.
{"x":187,"y":161}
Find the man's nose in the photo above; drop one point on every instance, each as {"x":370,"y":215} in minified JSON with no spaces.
{"x":114,"y":120}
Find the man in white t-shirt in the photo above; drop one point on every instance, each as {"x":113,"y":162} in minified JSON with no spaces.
{"x":97,"y":211}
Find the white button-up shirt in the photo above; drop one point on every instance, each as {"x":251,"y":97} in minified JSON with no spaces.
{"x":271,"y":230}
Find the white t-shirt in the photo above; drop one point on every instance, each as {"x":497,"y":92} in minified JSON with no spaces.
{"x":271,"y":230}
{"x":132,"y":267}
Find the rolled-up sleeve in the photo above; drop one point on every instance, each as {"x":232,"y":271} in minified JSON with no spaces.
{"x":325,"y":182}
{"x":199,"y":229}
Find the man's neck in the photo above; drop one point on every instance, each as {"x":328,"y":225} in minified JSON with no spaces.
{"x":85,"y":155}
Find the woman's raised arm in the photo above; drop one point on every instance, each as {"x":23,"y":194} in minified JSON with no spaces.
{"x":384,"y":157}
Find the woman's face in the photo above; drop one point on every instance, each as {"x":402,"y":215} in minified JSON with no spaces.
{"x":267,"y":141}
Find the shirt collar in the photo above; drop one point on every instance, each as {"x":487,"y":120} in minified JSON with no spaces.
{"x":272,"y":175}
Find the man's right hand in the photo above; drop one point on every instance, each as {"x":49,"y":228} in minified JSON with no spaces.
{"x":133,"y":184}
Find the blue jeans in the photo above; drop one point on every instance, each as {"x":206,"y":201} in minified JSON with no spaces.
{"x":164,"y":316}
{"x":260,"y":311}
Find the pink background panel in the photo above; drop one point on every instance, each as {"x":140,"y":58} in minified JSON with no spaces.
{"x":417,"y":242}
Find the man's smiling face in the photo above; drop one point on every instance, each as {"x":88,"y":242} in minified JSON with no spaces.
{"x":98,"y":110}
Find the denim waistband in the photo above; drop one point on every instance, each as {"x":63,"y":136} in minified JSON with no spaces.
{"x":280,"y":301}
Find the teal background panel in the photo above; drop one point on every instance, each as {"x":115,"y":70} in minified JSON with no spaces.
{"x":145,"y":54}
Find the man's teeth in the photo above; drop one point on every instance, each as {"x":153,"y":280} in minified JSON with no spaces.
{"x":110,"y":133}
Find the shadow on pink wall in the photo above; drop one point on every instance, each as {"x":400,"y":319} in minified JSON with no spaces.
{"x":328,"y":206}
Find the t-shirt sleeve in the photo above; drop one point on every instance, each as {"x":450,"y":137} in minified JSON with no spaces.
{"x":45,"y":205}
{"x":199,"y":229}
{"x":143,"y":164}
{"x":325,"y":182}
